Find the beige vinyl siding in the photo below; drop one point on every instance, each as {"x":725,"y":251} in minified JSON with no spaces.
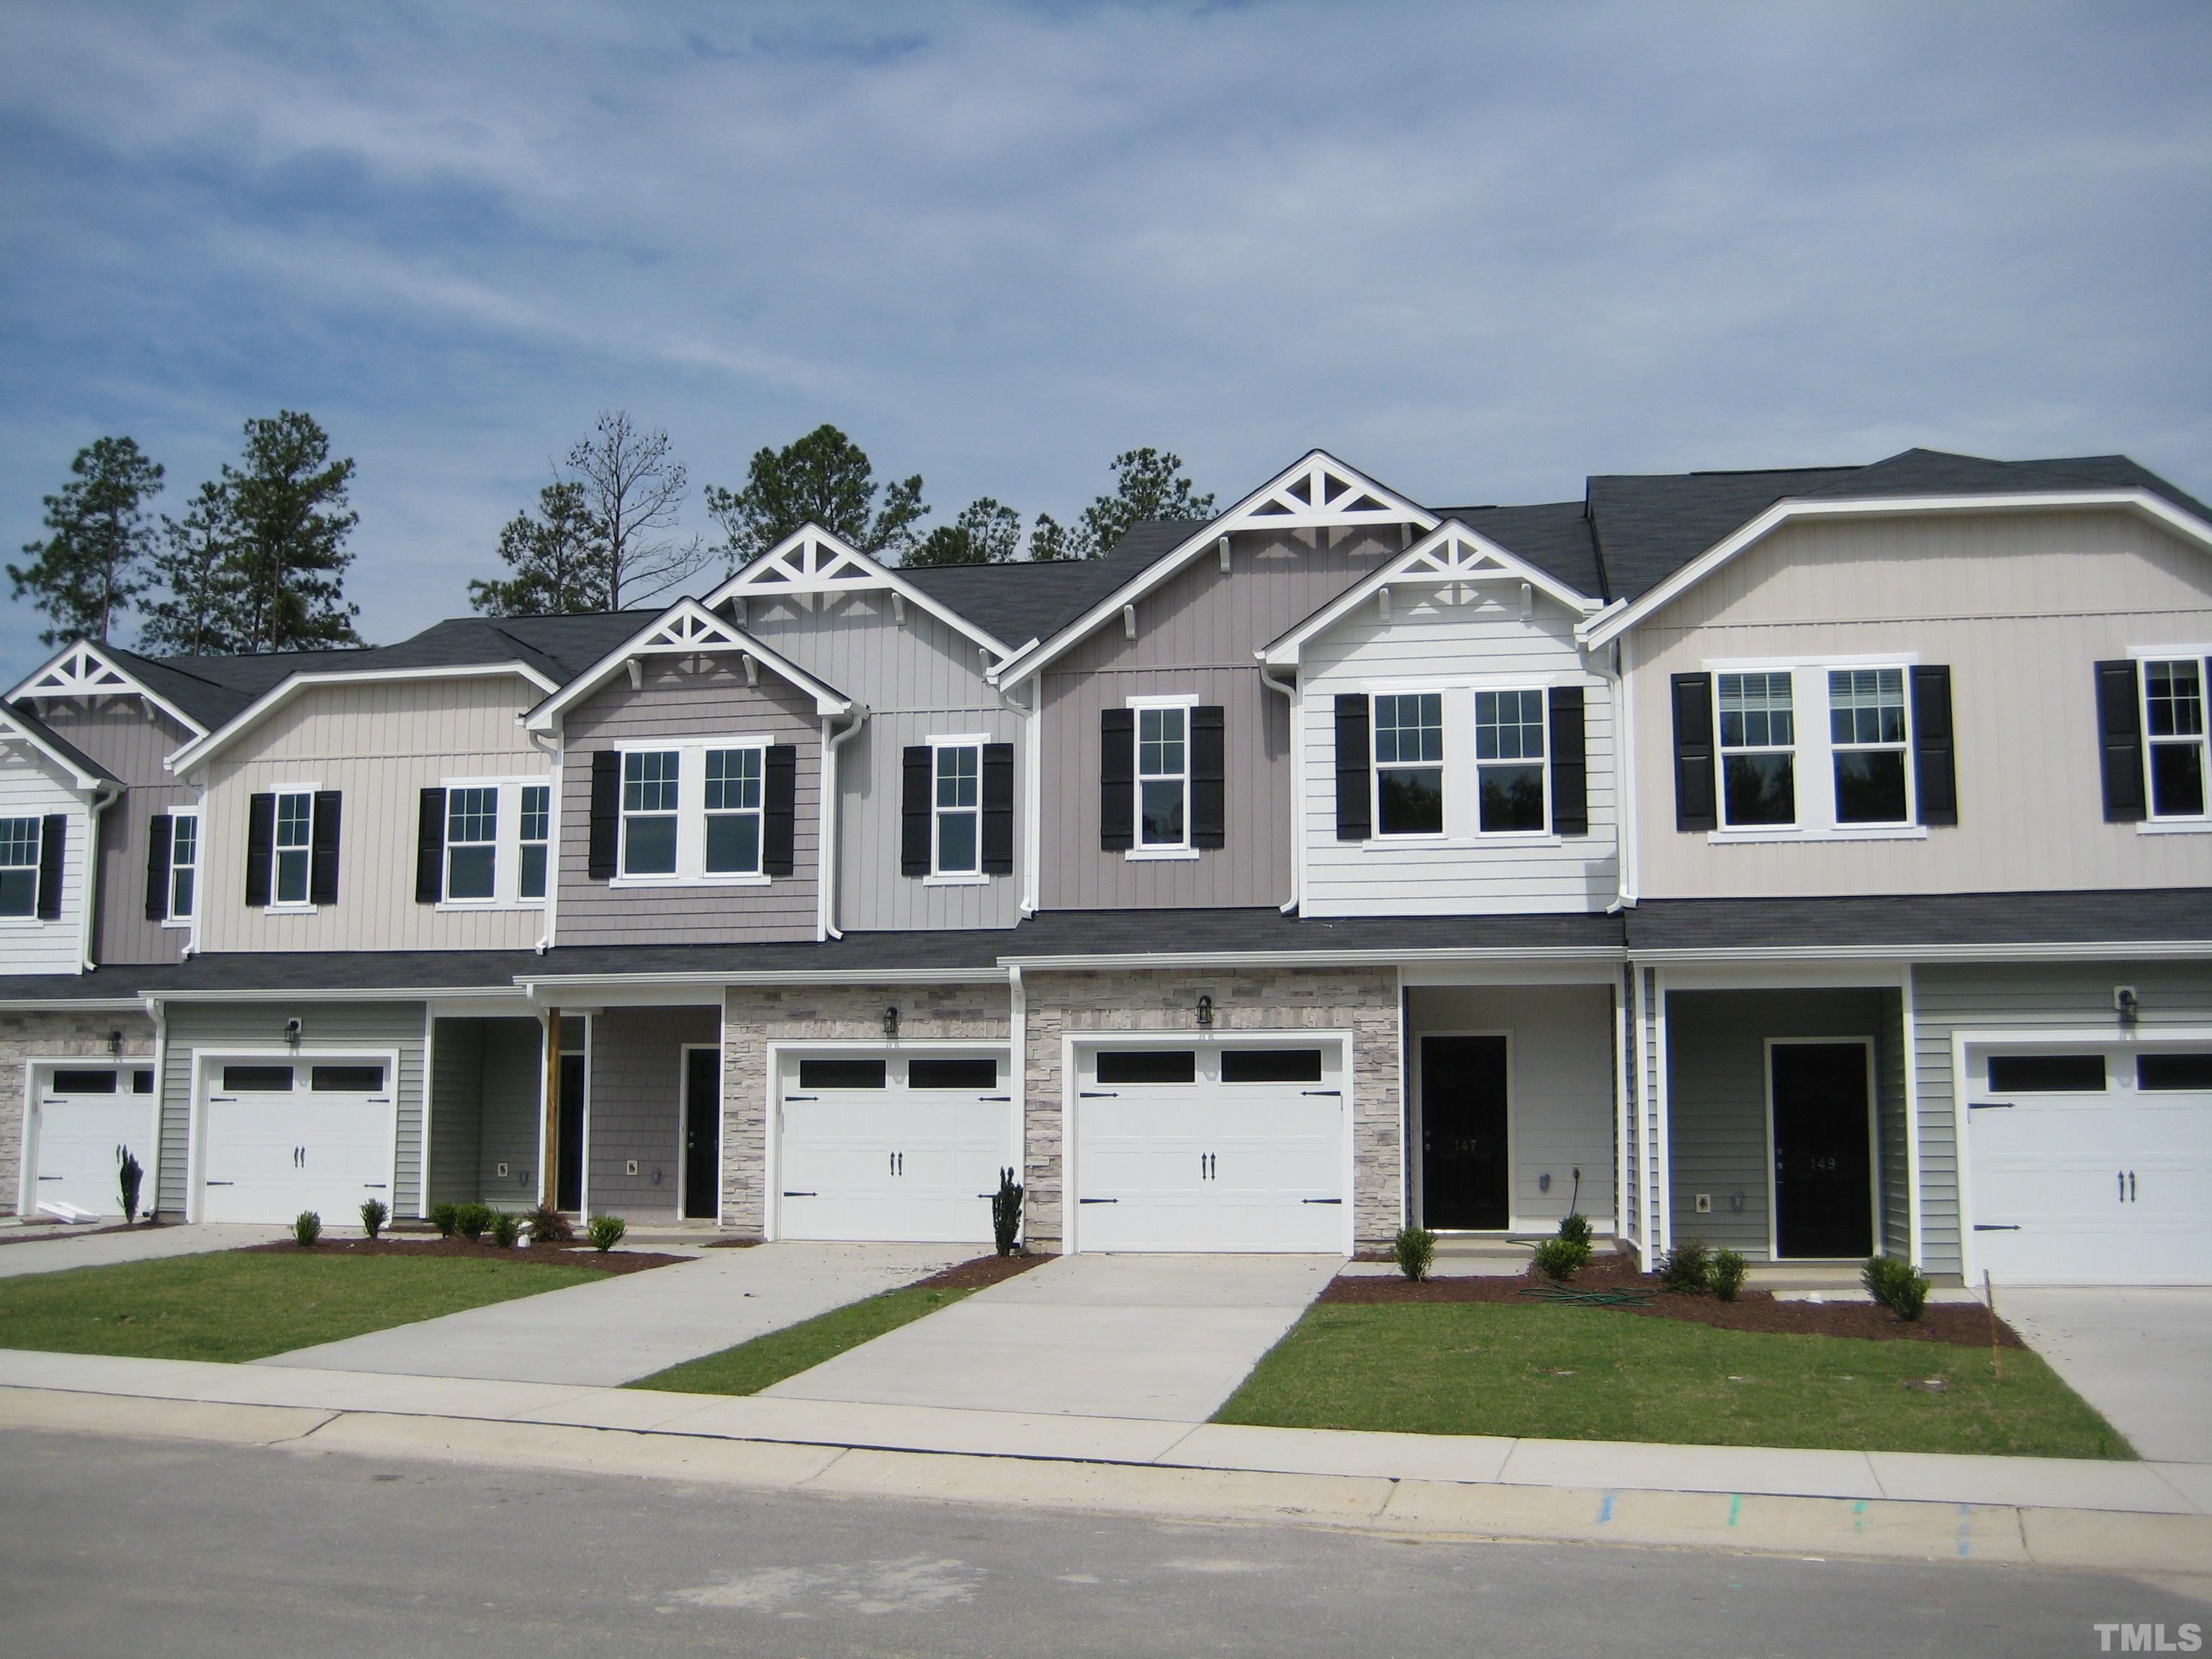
{"x":682,"y":698}
{"x":921,"y":678}
{"x":2019,"y":605}
{"x":2075,"y":996}
{"x":1427,"y":645}
{"x":28,"y":945}
{"x":132,"y":743}
{"x":637,"y":1107}
{"x":1196,"y":633}
{"x":339,"y":1028}
{"x":380,"y":745}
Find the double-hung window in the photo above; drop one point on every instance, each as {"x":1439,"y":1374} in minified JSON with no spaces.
{"x":294,"y":846}
{"x":958,"y":831}
{"x":535,"y":831}
{"x":1867,"y":740}
{"x":472,"y":843}
{"x":496,"y":843}
{"x":1409,"y":769}
{"x":1758,"y":742}
{"x":1163,"y":777}
{"x":2173,"y":729}
{"x":184,"y":865}
{"x":649,"y":812}
{"x":1509,"y":760}
{"x":733,"y":812}
{"x":19,"y":867}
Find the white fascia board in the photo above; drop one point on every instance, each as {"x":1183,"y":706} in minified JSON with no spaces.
{"x":309,"y":993}
{"x":710,"y":634}
{"x":2104,"y":951}
{"x":1610,"y":624}
{"x":554,"y":987}
{"x":73,"y":1005}
{"x":752,"y":581}
{"x":1176,"y":960}
{"x":204,"y":748}
{"x":27,"y":686}
{"x":85,"y":783}
{"x":1240,"y":517}
{"x":1285,"y":650}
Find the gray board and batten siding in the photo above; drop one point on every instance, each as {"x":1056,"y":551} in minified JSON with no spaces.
{"x":683,"y":698}
{"x":131,"y":742}
{"x":1196,"y":635}
{"x":920,"y":678}
{"x":192,"y":1028}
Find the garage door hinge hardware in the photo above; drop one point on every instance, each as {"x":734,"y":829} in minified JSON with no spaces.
{"x":1098,"y":1094}
{"x":791,"y":1097}
{"x":788,"y":1194}
{"x":1097,"y":1200}
{"x":995,"y":1098}
{"x":1989,"y":1105}
{"x":1334,"y":1094}
{"x":1324,"y":1201}
{"x":1996,"y":1226}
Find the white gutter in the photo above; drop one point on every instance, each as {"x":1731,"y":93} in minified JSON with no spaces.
{"x":129,"y":1005}
{"x":1174,"y":960}
{"x":826,"y":859}
{"x":1624,"y":775}
{"x":101,"y":798}
{"x":2100,"y":950}
{"x":1017,"y":1056}
{"x":573,"y":984}
{"x":1297,"y":784}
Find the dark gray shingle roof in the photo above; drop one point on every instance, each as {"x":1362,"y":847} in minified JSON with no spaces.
{"x":2146,"y":915}
{"x":1554,"y":537}
{"x":27,"y":716}
{"x":1024,"y":601}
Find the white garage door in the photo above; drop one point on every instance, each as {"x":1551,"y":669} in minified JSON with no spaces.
{"x":2090,"y":1166}
{"x":82,"y":1118}
{"x":1231,"y":1148}
{"x":283,"y":1136}
{"x":893,"y":1146}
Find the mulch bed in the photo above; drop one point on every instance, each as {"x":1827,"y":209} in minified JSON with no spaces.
{"x":1956,"y":1323}
{"x":979,"y":1273}
{"x":566,"y":1256}
{"x":742,"y":1243}
{"x":63,"y":1230}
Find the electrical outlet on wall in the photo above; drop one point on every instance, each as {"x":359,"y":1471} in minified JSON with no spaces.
{"x":1705,"y":1203}
{"x":631,"y":1169}
{"x":502,"y":1172}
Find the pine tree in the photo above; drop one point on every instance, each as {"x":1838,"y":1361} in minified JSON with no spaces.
{"x":984,"y":533}
{"x":556,"y":561}
{"x":202,"y":609}
{"x":287,"y":506}
{"x":91,"y":567}
{"x":823,"y":478}
{"x":1148,"y":484}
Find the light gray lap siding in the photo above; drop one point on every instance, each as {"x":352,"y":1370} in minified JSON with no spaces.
{"x":512,"y":1119}
{"x":677,"y":702}
{"x":456,"y":1110}
{"x":131,"y":744}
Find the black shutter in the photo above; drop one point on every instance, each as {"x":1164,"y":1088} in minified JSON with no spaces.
{"x":2119,"y":729}
{"x":1209,"y":767}
{"x":1935,"y":775}
{"x":780,"y":818}
{"x":1569,"y":763}
{"x":1694,"y":804}
{"x":260,"y":847}
{"x":1355,"y":807}
{"x":606,"y":814}
{"x":158,"y":831}
{"x":1117,"y":779}
{"x":997,"y":808}
{"x":918,"y":775}
{"x":431,"y":848}
{"x":53,"y":841}
{"x":323,"y":861}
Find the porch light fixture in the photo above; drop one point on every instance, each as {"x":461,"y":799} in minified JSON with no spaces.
{"x":1205,"y":1010}
{"x":890,"y":1025}
{"x":2130,"y":1010}
{"x":115,"y":1043}
{"x":292,"y":1032}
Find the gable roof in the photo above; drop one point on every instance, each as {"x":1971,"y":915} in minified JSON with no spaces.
{"x":687,"y":628}
{"x":1555,"y":537}
{"x":1029,"y":600}
{"x":84,"y":773}
{"x":812,"y":560}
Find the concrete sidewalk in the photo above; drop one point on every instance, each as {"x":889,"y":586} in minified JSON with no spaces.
{"x":1121,"y":1336}
{"x":631,"y":1325}
{"x":60,"y":1253}
{"x":2137,"y":1518}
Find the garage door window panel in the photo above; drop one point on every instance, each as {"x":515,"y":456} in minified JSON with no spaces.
{"x":953,"y":1074}
{"x":2175,"y":1072}
{"x":1271,"y":1064}
{"x":2174,"y":727}
{"x":841,"y":1074}
{"x":1758,"y":750}
{"x":84,"y":1083}
{"x":1509,"y":756}
{"x":256,"y":1080}
{"x":19,"y":867}
{"x":2065,"y":1074}
{"x":1148,"y":1066}
{"x":1409,"y":772}
{"x":345,"y":1079}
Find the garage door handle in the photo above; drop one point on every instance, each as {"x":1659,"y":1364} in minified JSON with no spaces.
{"x":1097,"y":1094}
{"x":1996,"y":1226}
{"x":1989,"y":1105}
{"x":1097,"y":1200}
{"x":792,"y":1194}
{"x":1324,"y":1201}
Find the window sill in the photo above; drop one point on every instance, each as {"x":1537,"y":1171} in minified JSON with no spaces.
{"x":1157,"y":854}
{"x":1495,"y":838}
{"x":963,"y":880}
{"x":2174,"y":827}
{"x":23,"y":921}
{"x":180,"y":924}
{"x":464,"y":905}
{"x":289,"y":909}
{"x":1873,"y":832}
{"x":690,"y":881}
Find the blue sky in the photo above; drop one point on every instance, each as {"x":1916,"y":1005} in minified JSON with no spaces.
{"x":1479,"y":251}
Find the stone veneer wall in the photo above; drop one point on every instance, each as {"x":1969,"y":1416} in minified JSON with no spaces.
{"x":754,"y":1017}
{"x":1364,"y":1002}
{"x":55,"y":1034}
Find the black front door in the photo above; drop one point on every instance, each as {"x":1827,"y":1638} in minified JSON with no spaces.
{"x":703,"y":1138}
{"x":569,"y":1183}
{"x":1464,"y":1183}
{"x":1823,"y":1170}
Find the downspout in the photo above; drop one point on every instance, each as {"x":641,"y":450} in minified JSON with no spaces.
{"x":1289,"y":691}
{"x":102,"y":798}
{"x":554,"y":749}
{"x":830,"y":745}
{"x":1624,"y":771}
{"x":1017,"y":1086}
{"x":1032,"y":713}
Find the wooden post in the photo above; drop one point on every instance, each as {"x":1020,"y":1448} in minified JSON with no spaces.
{"x":548,"y":1173}
{"x":1997,"y":1355}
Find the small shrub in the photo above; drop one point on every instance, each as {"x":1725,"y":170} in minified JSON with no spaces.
{"x":307,"y":1228}
{"x":549,"y":1226}
{"x":445,"y":1218}
{"x":1687,"y":1268}
{"x":373,"y":1216}
{"x":606,"y":1231}
{"x":1006,"y":1213}
{"x":1560,"y":1259}
{"x":1414,"y":1251}
{"x":1575,"y":1228}
{"x":1897,"y":1286}
{"x":472,"y":1219}
{"x":506,"y":1228}
{"x":1726,"y":1275}
{"x":128,"y":1177}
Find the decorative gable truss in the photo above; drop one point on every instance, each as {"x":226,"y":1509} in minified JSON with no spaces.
{"x":812,"y":560}
{"x":1322,"y":492}
{"x":1451,"y":565}
{"x":82,"y":670}
{"x":20,"y":734}
{"x":686,"y":629}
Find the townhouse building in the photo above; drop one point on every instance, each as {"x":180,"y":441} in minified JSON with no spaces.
{"x":1813,"y":862}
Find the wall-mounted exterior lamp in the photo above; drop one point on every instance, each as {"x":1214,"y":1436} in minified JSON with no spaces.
{"x":2129,"y":1009}
{"x":1205,"y":1010}
{"x":292,"y":1032}
{"x":115,"y":1042}
{"x":890,"y":1025}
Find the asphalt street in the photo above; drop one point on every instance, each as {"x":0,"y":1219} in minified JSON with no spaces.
{"x":117,"y":1546}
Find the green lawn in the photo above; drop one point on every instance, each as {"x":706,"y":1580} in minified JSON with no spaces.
{"x":751,"y":1366}
{"x":247,"y":1304}
{"x":1589,"y":1374}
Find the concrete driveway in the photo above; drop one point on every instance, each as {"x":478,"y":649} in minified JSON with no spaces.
{"x":54,"y":1255}
{"x":1166,"y":1337}
{"x":624,"y":1327}
{"x":2142,"y":1357}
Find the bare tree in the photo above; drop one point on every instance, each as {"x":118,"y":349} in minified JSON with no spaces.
{"x":632,"y":485}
